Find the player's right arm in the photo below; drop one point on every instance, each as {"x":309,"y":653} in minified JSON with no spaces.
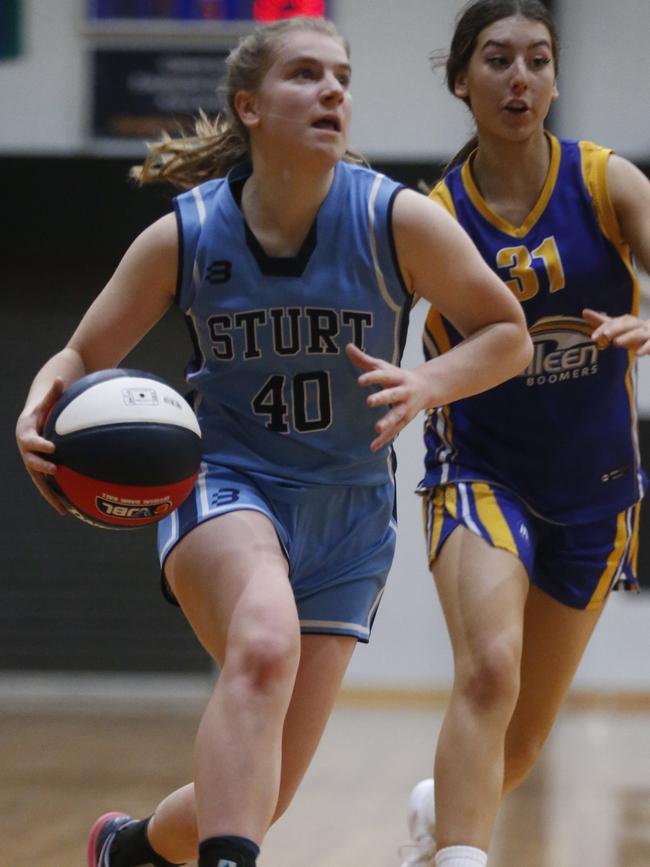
{"x":629,"y":192}
{"x":439,"y":262}
{"x":138,"y":294}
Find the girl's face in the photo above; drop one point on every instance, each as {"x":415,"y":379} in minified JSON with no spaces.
{"x":303,"y":106}
{"x":510,"y":80}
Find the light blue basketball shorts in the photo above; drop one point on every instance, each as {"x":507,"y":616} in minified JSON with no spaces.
{"x":576,"y":564}
{"x":339,"y":541}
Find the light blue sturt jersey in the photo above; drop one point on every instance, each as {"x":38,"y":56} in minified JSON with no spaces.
{"x":563,"y":434}
{"x":275,"y":392}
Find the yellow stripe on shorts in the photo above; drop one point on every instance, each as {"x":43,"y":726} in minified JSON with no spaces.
{"x":613,"y":561}
{"x":451,"y":500}
{"x":491,"y":517}
{"x":433,"y":507}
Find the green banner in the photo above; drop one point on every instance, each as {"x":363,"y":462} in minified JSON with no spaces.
{"x":9,"y":28}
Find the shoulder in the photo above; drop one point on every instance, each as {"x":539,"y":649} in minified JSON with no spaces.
{"x":442,"y":194}
{"x":419,"y":214}
{"x":357,"y":175}
{"x":426,"y":235}
{"x":203,"y":190}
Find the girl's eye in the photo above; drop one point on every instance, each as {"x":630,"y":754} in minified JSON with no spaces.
{"x":499,"y":62}
{"x":344,"y":80}
{"x":304,"y":72}
{"x":541,"y":61}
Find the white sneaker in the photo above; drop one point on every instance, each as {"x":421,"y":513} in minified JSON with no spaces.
{"x":421,"y":818}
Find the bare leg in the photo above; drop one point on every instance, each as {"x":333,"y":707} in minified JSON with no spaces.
{"x":483,"y":593}
{"x":230,"y":578}
{"x":555,"y":638}
{"x":323,"y":661}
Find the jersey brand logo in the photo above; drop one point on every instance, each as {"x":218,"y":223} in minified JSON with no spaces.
{"x":219,"y":271}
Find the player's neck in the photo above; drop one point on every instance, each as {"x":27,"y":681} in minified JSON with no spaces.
{"x":511,"y":175}
{"x":280,"y":205}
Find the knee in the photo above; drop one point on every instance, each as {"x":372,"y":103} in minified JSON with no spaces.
{"x":490,"y":679}
{"x":265,"y":660}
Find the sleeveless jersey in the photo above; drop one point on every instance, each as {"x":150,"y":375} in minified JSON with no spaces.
{"x":274,"y":390}
{"x":562,"y":434}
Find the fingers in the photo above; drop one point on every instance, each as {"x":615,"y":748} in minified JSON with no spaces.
{"x":599,"y":322}
{"x":389,"y":426}
{"x":593,"y":317}
{"x":362,"y":359}
{"x":626,"y":332}
{"x":635,"y":340}
{"x":397,"y":389}
{"x":51,"y":396}
{"x":35,"y":449}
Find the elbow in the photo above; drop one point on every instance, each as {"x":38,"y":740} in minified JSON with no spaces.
{"x":522,"y":353}
{"x":519,"y":347}
{"x":526,"y":352}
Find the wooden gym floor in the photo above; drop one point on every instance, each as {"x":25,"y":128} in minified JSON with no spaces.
{"x":64,"y":762}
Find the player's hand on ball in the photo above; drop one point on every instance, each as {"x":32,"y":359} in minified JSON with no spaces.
{"x":401,"y":390}
{"x":627,"y":332}
{"x":34,"y":448}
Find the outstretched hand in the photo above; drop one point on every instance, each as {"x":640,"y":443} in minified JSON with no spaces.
{"x":627,"y":332}
{"x":404,"y":391}
{"x":34,"y":447}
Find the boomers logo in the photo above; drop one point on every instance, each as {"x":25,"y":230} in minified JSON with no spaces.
{"x":563,"y":350}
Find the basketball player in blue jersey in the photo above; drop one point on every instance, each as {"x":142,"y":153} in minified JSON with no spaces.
{"x":296,"y":269}
{"x":531,"y":492}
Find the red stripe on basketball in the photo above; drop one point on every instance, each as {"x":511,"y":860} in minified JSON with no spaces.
{"x":120,"y":505}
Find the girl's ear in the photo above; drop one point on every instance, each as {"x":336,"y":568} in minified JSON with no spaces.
{"x":460,"y":86}
{"x":247,"y":108}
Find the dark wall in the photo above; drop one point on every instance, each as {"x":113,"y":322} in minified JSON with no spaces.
{"x":73,"y":597}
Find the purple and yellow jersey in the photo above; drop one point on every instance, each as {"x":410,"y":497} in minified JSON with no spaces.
{"x":563,"y":434}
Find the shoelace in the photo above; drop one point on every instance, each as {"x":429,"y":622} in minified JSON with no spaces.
{"x":418,"y":853}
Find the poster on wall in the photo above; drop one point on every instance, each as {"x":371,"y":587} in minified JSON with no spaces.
{"x":204,"y":10}
{"x":140,"y":93}
{"x":9,"y":29}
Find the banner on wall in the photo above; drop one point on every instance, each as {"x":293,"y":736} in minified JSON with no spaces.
{"x":9,"y":29}
{"x":140,"y":93}
{"x":204,"y":10}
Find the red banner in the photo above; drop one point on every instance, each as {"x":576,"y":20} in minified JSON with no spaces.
{"x":272,"y":10}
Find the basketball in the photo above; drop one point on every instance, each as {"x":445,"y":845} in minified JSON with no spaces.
{"x":128,"y":448}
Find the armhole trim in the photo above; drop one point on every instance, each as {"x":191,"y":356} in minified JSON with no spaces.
{"x":442,"y":196}
{"x":594,"y":162}
{"x":181,"y":254}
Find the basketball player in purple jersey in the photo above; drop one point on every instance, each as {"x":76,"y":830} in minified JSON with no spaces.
{"x":532,"y":490}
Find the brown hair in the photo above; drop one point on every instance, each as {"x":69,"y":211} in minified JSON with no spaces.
{"x":219,"y":144}
{"x":470,"y":22}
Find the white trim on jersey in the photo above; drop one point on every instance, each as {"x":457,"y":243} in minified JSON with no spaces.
{"x":381,"y":282}
{"x":173,"y":536}
{"x":200,"y":204}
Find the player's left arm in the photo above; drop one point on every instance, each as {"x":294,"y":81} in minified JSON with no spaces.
{"x":629,"y":193}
